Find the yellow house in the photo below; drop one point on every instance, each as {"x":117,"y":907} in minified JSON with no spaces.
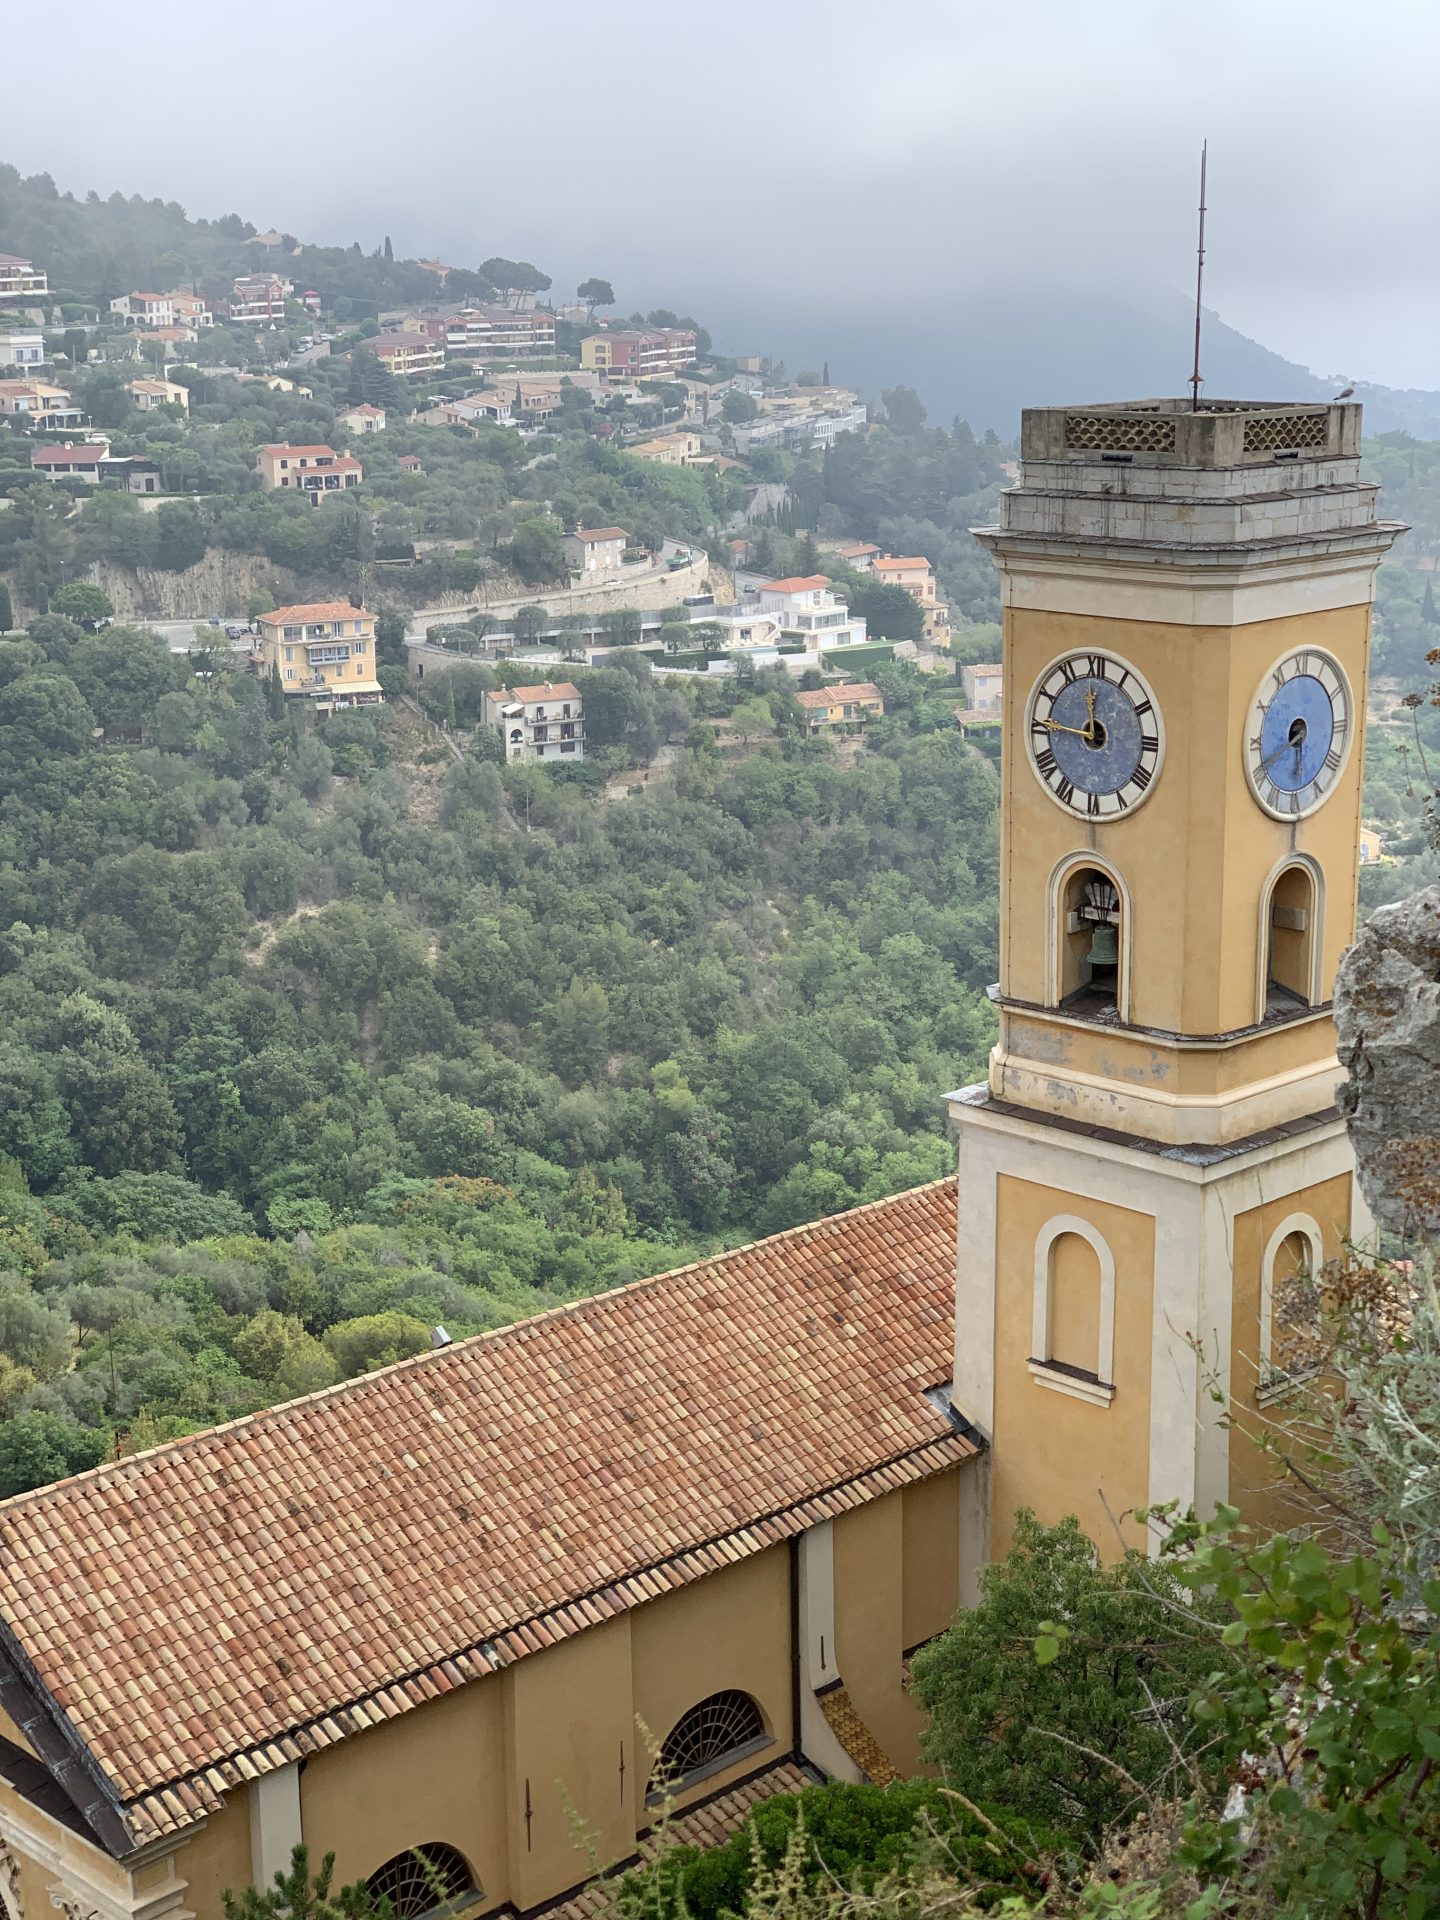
{"x":669,"y":449}
{"x":690,"y":1528}
{"x":150,"y":394}
{"x":848,"y":705}
{"x":324,"y":653}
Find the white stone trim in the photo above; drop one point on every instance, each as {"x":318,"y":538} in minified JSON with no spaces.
{"x":1112,"y":586}
{"x":1316,"y":991}
{"x":275,"y":1827}
{"x":1040,"y":1367}
{"x":1132,"y":1106}
{"x":1271,"y":1389}
{"x":100,"y":1895}
{"x":1060,"y":877}
{"x":1098,"y":1393}
{"x":819,"y":1667}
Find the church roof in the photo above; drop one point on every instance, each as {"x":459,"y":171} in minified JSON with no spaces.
{"x":224,"y":1604}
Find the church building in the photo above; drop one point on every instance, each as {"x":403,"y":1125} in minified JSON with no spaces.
{"x":683,"y":1537}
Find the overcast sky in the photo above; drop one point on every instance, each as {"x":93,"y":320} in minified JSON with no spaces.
{"x":864,"y":153}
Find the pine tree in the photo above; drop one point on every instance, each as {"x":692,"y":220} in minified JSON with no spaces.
{"x":7,"y":612}
{"x":1428,"y":610}
{"x":275,"y":695}
{"x":389,"y":250}
{"x":825,"y":374}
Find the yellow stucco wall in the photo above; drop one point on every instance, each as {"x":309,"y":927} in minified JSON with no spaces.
{"x":1253,"y":1472}
{"x":433,"y":1775}
{"x":1197,"y":854}
{"x":870,"y":1625}
{"x":731,"y":1629}
{"x":930,"y":1533}
{"x":217,"y":1858}
{"x":1052,"y":1453}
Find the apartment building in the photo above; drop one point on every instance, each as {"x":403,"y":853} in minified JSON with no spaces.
{"x":312,"y":471}
{"x":144,"y":309}
{"x":150,"y":394}
{"x":258,"y":299}
{"x":595,"y":549}
{"x":406,"y":353}
{"x":324,"y":653}
{"x":538,"y":723}
{"x":849,"y":705}
{"x":807,"y":611}
{"x":22,"y":347}
{"x":916,"y":575}
{"x":37,"y":404}
{"x":21,"y":281}
{"x":497,"y":333}
{"x":636,"y":353}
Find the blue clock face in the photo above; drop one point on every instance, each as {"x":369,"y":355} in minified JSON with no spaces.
{"x":1094,"y":734}
{"x":1298,"y":738}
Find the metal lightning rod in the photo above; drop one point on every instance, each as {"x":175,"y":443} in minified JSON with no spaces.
{"x":1199,"y":283}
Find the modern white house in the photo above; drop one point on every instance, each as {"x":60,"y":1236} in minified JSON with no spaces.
{"x":538,"y":723}
{"x":807,"y":611}
{"x":22,"y":347}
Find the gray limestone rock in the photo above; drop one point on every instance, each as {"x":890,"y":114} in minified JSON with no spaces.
{"x":1387,"y":1016}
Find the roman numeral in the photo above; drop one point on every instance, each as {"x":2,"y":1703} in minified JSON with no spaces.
{"x":1121,"y":803}
{"x":1067,"y":670}
{"x":1144,"y":710}
{"x":1302,"y":663}
{"x":1095,"y":665}
{"x":1149,"y":743}
{"x":1092,"y":805}
{"x":1332,"y":760}
{"x":1046,"y":762}
{"x":1255,"y":744}
{"x":1141,"y":778}
{"x":1065,"y":790}
{"x":1125,"y":678}
{"x":1279,"y":675}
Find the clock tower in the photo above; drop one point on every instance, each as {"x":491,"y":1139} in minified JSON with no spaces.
{"x":1186,"y":601}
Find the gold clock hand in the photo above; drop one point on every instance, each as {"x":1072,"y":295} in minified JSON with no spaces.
{"x":1054,"y":726}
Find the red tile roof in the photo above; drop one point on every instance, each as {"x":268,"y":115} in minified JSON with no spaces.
{"x":313,"y":610}
{"x":601,"y":533}
{"x":68,"y":456}
{"x":226,"y":1603}
{"x":798,"y":584}
{"x":560,"y":690}
{"x":850,"y":690}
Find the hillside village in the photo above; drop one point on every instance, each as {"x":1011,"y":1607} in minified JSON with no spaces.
{"x":133,"y":394}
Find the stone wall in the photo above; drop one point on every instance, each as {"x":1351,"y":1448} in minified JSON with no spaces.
{"x":1387,"y":1018}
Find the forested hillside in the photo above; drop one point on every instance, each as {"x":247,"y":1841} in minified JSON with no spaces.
{"x":309,"y":1044}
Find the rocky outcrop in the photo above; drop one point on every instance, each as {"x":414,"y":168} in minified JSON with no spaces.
{"x":1387,"y":1016}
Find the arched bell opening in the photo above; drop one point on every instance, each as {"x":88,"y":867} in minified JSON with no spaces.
{"x":1091,"y":944}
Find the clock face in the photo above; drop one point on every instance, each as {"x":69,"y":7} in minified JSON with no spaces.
{"x":1094,"y":735}
{"x":1297,"y":738}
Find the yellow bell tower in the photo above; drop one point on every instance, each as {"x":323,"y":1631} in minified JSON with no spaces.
{"x":1186,"y":603}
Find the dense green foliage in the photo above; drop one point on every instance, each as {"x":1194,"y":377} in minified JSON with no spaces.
{"x":1080,"y":1737}
{"x":852,"y":1836}
{"x":266,"y":997}
{"x":301,"y":1895}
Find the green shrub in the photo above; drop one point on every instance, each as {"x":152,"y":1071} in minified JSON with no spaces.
{"x":854,"y":1835}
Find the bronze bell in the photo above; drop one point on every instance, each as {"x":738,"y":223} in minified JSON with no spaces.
{"x":1104,"y":946}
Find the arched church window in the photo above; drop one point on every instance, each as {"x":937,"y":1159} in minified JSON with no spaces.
{"x":722,"y":1729}
{"x":1290,"y":1282}
{"x":1091,"y":943}
{"x":1073,"y":1334}
{"x":1074,"y":1329}
{"x":433,"y":1879}
{"x":1290,"y":933}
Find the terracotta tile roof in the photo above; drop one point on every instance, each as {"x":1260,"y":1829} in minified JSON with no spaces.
{"x":559,"y":690}
{"x":708,"y":1825}
{"x":806,"y":583}
{"x":896,"y":566}
{"x":315,"y":610}
{"x":226,"y":1603}
{"x":856,"y":1738}
{"x":283,"y":447}
{"x":600,"y":533}
{"x":837,"y":696}
{"x":68,"y":456}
